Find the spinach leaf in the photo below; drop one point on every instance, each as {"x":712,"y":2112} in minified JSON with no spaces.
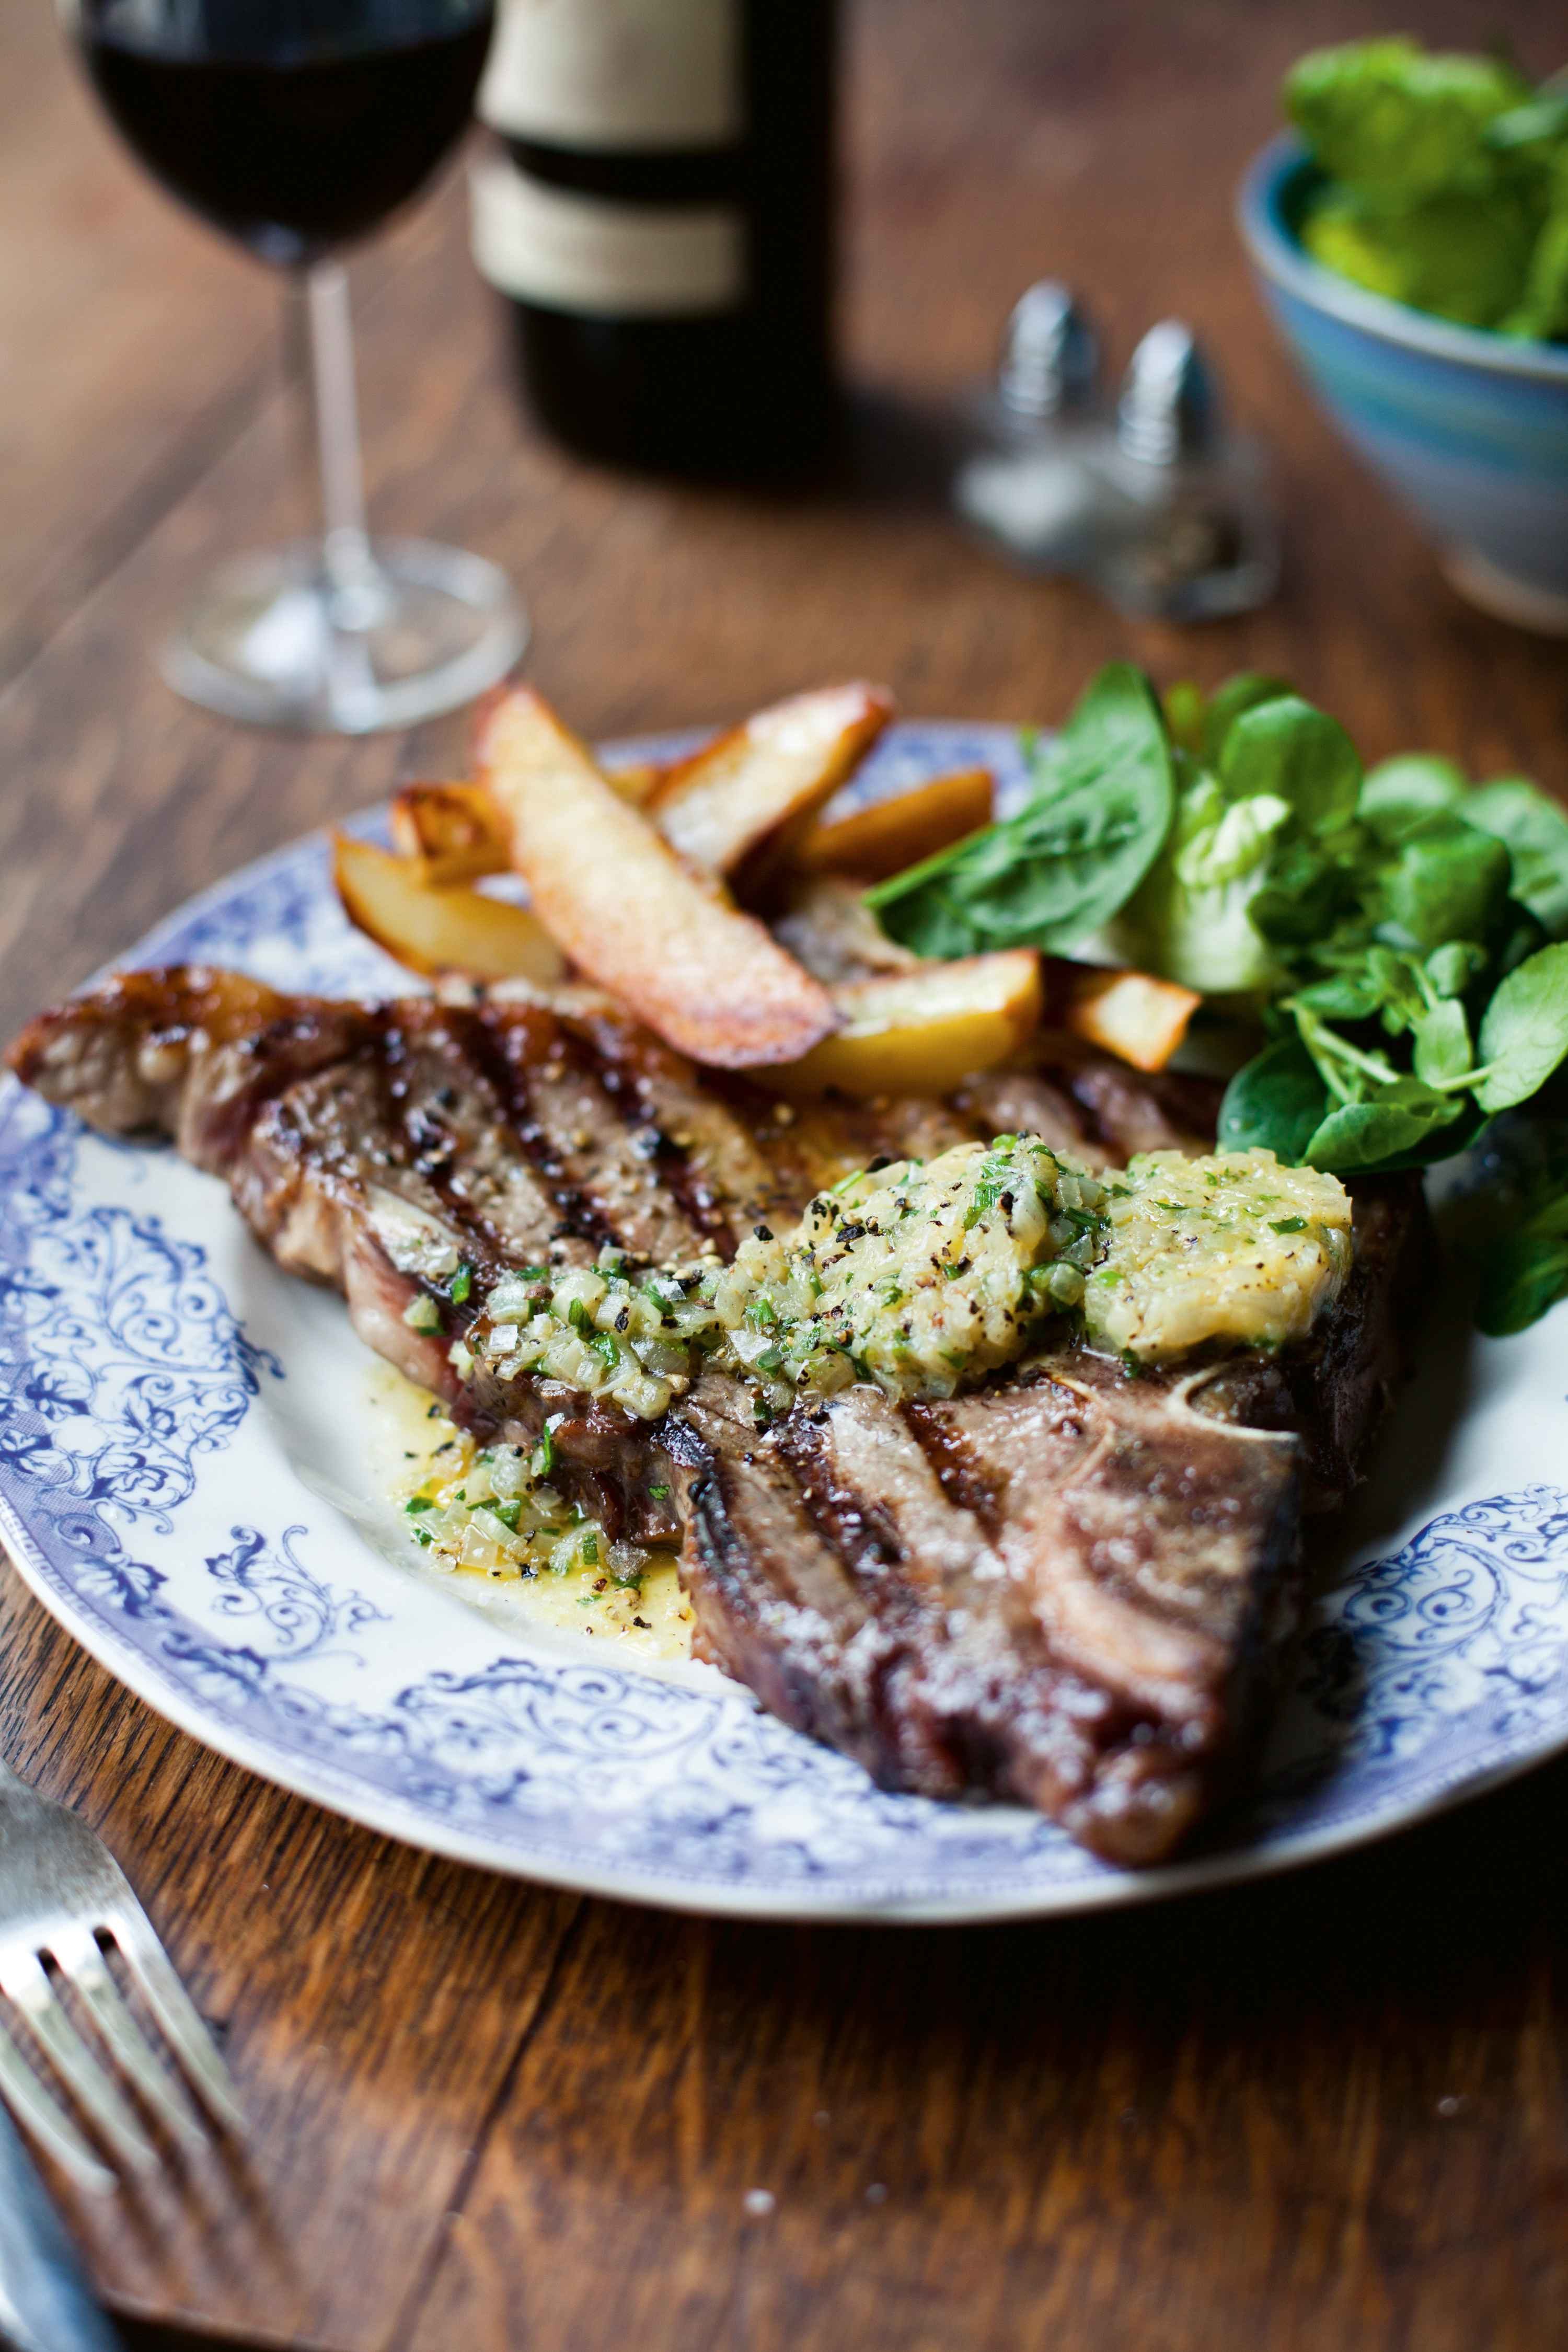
{"x":1071,"y":857}
{"x":1535,"y":832}
{"x":1277,"y":1102}
{"x":1524,"y":1031}
{"x":1397,"y":793}
{"x":1299,"y":755}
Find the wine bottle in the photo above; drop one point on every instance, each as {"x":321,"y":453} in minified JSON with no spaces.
{"x":661,"y":221}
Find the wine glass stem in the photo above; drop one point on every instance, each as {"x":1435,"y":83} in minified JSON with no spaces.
{"x":352,"y":576}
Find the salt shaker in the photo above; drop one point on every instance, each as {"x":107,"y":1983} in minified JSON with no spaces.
{"x":1186,"y":526}
{"x":1022,"y":481}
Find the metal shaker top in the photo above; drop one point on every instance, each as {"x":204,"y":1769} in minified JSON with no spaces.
{"x":1169,"y":407}
{"x":1051,"y":354}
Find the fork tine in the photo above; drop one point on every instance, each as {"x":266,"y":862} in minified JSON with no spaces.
{"x":176,"y":2012}
{"x":32,"y":2105}
{"x":22,"y":1976}
{"x":82,"y":1964}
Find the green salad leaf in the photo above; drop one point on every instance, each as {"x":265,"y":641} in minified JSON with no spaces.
{"x":1393,"y":120}
{"x":1523,"y":1274}
{"x":1524,"y":1034}
{"x":1535,"y":831}
{"x":1398,"y":938}
{"x":1283,"y":746}
{"x":1399,"y":793}
{"x":1238,"y":695}
{"x":1060,"y":869}
{"x":1464,"y":257}
{"x":1445,"y":182}
{"x":1512,"y":1221}
{"x":1277,"y":1102}
{"x":1445,"y":880}
{"x":1287,"y":776}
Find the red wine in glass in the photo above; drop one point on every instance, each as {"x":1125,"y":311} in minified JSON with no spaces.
{"x":295,"y":127}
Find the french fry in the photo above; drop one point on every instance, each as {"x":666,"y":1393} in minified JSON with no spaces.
{"x":1132,"y":1014}
{"x":742,"y":800}
{"x":873,"y":843}
{"x":451,"y":832}
{"x":628,"y":913}
{"x":921,"y":1033}
{"x":440,"y":929}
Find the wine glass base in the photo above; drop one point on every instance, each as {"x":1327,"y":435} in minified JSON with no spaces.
{"x":270,"y":640}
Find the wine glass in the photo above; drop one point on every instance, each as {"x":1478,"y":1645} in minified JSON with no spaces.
{"x":296,"y":126}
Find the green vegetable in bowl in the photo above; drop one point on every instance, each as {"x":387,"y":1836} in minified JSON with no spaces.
{"x":1388,"y":117}
{"x":1464,"y":257}
{"x":1445,"y":182}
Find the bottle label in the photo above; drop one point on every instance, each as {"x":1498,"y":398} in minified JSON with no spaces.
{"x":593,"y":256}
{"x":617,"y":74}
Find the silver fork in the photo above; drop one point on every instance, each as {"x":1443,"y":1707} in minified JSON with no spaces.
{"x":62,"y":1897}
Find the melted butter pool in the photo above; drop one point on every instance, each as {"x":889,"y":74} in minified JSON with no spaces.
{"x":416,"y":1445}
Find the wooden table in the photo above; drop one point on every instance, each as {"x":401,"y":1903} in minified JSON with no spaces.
{"x":1326,"y":2112}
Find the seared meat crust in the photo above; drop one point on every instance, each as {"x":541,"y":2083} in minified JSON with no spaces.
{"x":1066,"y":1587}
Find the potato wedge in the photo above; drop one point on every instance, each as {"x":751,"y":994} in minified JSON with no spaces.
{"x":922,"y":1032}
{"x":439,"y":929}
{"x":874,"y":843}
{"x":451,"y":832}
{"x":624,"y":909}
{"x":638,"y":781}
{"x":741,"y":802}
{"x":448,"y":833}
{"x":1132,"y":1014}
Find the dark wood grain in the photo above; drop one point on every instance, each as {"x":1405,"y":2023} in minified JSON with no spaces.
{"x":1326,"y":2113}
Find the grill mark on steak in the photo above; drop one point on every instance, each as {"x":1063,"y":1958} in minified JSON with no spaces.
{"x":525,"y":1064}
{"x":668,"y":1134}
{"x":953,"y":1661}
{"x":1065,"y":1586}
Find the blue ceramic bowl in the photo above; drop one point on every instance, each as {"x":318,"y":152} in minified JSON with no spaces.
{"x":1469,"y":429}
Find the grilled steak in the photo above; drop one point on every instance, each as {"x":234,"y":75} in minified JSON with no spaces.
{"x":1066,"y":1585}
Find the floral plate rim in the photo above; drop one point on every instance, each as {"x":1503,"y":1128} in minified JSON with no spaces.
{"x":1469,"y":1743}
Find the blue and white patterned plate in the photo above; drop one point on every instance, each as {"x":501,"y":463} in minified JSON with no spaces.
{"x":187,"y":1481}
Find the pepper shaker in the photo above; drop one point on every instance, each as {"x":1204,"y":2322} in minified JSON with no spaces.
{"x":1187,"y":528}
